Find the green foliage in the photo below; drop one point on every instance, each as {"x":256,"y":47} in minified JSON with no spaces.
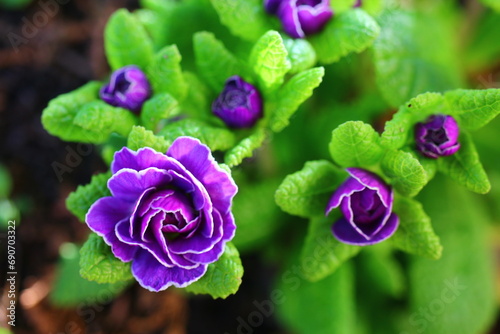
{"x":269,"y":60}
{"x":79,"y":201}
{"x":292,"y":94}
{"x":140,"y":137}
{"x":415,"y":234}
{"x":97,"y":262}
{"x":406,"y":174}
{"x":126,"y":42}
{"x":355,"y":144}
{"x":322,"y":253}
{"x":5,"y":182}
{"x":300,"y":53}
{"x":350,"y":31}
{"x":306,"y":192}
{"x":160,"y":106}
{"x":223,"y":278}
{"x":495,"y":4}
{"x":244,"y":149}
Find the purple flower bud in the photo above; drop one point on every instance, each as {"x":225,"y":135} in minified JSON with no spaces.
{"x":300,"y":18}
{"x":128,"y":88}
{"x":365,"y":200}
{"x":437,"y":136}
{"x":357,"y":4}
{"x":239,"y":105}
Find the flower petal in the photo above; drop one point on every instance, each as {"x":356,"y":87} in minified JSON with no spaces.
{"x":344,"y":232}
{"x":106,"y":212}
{"x":142,"y":159}
{"x":290,"y":19}
{"x":374,"y":182}
{"x":130,"y":184}
{"x":346,"y":189}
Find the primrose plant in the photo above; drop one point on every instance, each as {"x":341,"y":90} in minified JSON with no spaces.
{"x":231,"y":147}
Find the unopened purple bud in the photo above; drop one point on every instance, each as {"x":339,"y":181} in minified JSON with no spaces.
{"x":357,"y":4}
{"x":300,"y":18}
{"x":437,"y":136}
{"x":128,"y":88}
{"x":239,"y":105}
{"x":365,"y":201}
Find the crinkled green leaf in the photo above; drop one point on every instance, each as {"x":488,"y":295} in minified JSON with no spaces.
{"x":159,"y":107}
{"x":456,"y":292}
{"x":244,"y":149}
{"x":58,"y":117}
{"x":350,"y":31}
{"x":165,"y":73}
{"x":71,"y":290}
{"x":223,"y":277}
{"x":215,"y":63}
{"x":405,"y":172}
{"x":483,"y":50}
{"x":415,"y":234}
{"x":495,"y":4}
{"x":244,"y":18}
{"x":97,"y":262}
{"x":100,"y":119}
{"x":400,"y":127}
{"x":355,"y":144}
{"x":323,"y":307}
{"x":79,"y":201}
{"x":140,"y":137}
{"x":414,"y":54}
{"x":293,"y":94}
{"x":269,"y":60}
{"x":197,"y":102}
{"x":465,"y":167}
{"x":322,"y":254}
{"x":473,"y":109}
{"x":214,"y":137}
{"x":306,"y":192}
{"x":300,"y":53}
{"x":126,"y":42}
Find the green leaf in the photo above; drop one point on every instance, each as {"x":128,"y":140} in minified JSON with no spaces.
{"x":159,"y":107}
{"x":306,"y":192}
{"x":415,"y":234}
{"x":140,"y":137}
{"x":456,"y":294}
{"x":465,"y":167}
{"x":269,"y":60}
{"x":406,"y":173}
{"x":324,"y":307}
{"x":71,"y":290}
{"x":100,"y":119}
{"x":483,"y":50}
{"x":322,"y":253}
{"x":223,"y":278}
{"x":165,"y":73}
{"x":5,"y":182}
{"x":215,"y":138}
{"x":495,"y":4}
{"x":293,"y":94}
{"x":350,"y":31}
{"x":215,"y":63}
{"x":58,"y":117}
{"x":398,"y":130}
{"x":244,"y":149}
{"x":355,"y":144}
{"x":197,"y":101}
{"x":300,"y":53}
{"x":97,"y":262}
{"x":126,"y":42}
{"x":473,"y":109}
{"x":415,"y":53}
{"x":244,"y":18}
{"x":80,"y":201}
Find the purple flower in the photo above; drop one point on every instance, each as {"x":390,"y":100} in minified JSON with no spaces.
{"x":437,"y":136}
{"x":366,"y":203}
{"x":169,"y":213}
{"x":128,"y":88}
{"x":239,"y":105}
{"x":357,"y":4}
{"x":300,"y":18}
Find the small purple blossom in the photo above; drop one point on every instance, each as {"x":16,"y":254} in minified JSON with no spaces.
{"x":128,"y":88}
{"x":239,"y":105}
{"x":169,"y":213}
{"x":365,"y":200}
{"x":300,"y":18}
{"x":357,"y":4}
{"x":437,"y":136}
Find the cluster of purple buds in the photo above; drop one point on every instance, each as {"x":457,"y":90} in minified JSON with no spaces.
{"x":128,"y":88}
{"x":300,"y":18}
{"x":437,"y":136}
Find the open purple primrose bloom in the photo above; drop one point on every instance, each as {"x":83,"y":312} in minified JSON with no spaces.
{"x":169,"y":213}
{"x":437,"y":136}
{"x":239,"y":104}
{"x":300,"y":18}
{"x":128,"y":88}
{"x":365,"y":200}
